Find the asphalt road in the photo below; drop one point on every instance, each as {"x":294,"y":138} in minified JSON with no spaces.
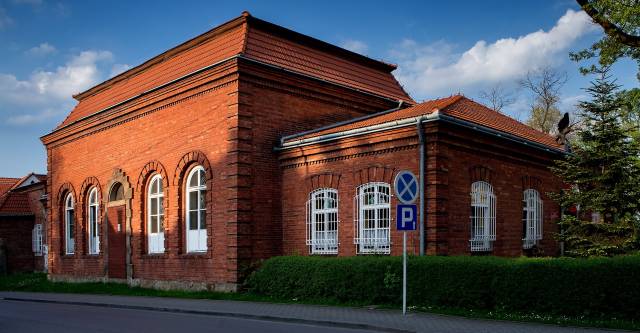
{"x":52,"y":318}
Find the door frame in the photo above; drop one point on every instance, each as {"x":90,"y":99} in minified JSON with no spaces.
{"x":118,"y":177}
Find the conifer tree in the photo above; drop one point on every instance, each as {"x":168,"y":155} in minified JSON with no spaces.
{"x":602,"y":175}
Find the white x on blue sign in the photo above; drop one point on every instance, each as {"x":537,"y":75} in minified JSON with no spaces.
{"x":406,"y":187}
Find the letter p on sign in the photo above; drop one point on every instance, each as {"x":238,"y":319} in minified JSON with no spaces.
{"x":406,"y":217}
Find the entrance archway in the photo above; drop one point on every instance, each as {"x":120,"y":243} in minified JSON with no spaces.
{"x":118,"y":227}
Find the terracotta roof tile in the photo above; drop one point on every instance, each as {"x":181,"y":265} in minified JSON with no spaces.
{"x":15,"y":203}
{"x":456,"y":106}
{"x":6,"y":184}
{"x":256,"y":40}
{"x":276,"y":50}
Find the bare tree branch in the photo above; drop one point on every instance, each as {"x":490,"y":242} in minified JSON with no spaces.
{"x":497,"y":97}
{"x":545,"y":87}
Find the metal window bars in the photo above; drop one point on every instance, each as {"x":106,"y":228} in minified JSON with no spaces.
{"x":36,"y":239}
{"x":532,"y":211}
{"x":322,"y":221}
{"x":372,"y":218}
{"x":483,"y":217}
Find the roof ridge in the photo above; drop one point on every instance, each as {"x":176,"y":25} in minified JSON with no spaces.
{"x":500,"y":114}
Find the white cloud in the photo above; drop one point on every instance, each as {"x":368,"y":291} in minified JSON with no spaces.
{"x":47,"y":94}
{"x":434,"y":69}
{"x":118,"y":68}
{"x":41,"y":50}
{"x":355,"y":46}
{"x":5,"y":20}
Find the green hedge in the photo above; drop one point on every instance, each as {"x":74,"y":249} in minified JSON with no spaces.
{"x":599,"y":287}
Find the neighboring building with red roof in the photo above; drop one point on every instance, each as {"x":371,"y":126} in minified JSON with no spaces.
{"x":252,"y":140}
{"x":22,"y":222}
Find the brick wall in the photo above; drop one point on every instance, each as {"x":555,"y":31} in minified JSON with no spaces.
{"x":227,"y":119}
{"x":16,"y":233}
{"x":454,"y":156}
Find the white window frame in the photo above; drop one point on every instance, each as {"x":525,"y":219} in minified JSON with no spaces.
{"x":196,"y":238}
{"x":155,"y":239}
{"x":322,"y":221}
{"x":93,"y":216}
{"x":532,"y":214}
{"x":372,"y":218}
{"x":69,"y":224}
{"x":36,"y":240}
{"x":483,"y":217}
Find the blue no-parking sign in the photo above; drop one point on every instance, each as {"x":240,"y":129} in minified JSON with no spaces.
{"x":406,"y":187}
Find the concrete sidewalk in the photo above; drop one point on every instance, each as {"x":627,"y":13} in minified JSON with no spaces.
{"x":356,"y":318}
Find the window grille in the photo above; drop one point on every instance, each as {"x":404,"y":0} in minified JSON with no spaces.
{"x":372,"y":218}
{"x":93,"y":230}
{"x":531,"y":218}
{"x":36,"y":239}
{"x":69,"y":224}
{"x":483,"y":217}
{"x":196,"y":222}
{"x":155,"y":215}
{"x":322,"y":221}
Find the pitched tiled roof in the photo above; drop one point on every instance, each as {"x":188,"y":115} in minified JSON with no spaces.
{"x":15,"y":203}
{"x":253,"y":39}
{"x":6,"y":184}
{"x":456,"y":106}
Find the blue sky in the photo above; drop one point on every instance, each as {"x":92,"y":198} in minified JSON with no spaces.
{"x":52,"y":49}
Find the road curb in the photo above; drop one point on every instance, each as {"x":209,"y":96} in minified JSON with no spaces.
{"x":326,"y":323}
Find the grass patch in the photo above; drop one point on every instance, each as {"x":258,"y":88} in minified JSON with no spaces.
{"x":38,"y":282}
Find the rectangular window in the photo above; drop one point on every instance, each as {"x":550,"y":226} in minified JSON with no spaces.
{"x":36,"y":239}
{"x":483,"y":217}
{"x":322,"y":221}
{"x":373,"y":218}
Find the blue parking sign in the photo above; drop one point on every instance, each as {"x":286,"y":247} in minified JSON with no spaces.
{"x":406,"y":216}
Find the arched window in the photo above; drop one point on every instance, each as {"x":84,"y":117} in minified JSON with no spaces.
{"x":155,"y":215}
{"x":531,"y":218}
{"x":69,"y":224}
{"x":483,"y":216}
{"x":196,"y":215}
{"x":373,"y":218}
{"x":92,"y":218}
{"x":322,"y":221}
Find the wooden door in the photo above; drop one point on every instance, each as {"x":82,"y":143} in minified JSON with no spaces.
{"x":117,"y":242}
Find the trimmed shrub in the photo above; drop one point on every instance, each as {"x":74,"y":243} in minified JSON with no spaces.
{"x":596,"y":287}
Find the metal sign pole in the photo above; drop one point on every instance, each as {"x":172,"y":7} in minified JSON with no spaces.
{"x":406,"y":188}
{"x":404,"y":273}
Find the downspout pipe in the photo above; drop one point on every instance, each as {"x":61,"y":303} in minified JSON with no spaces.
{"x":421,"y":177}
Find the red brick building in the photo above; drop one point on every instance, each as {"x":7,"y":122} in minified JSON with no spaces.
{"x":187,"y":170}
{"x":22,"y":223}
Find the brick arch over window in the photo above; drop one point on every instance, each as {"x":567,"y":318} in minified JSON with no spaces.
{"x":323,"y":180}
{"x":481,"y":173}
{"x":532,"y":182}
{"x":187,"y":162}
{"x":149,"y":170}
{"x":65,"y":189}
{"x":374,"y":173}
{"x":81,"y":206}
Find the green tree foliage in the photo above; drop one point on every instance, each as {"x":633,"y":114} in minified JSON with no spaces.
{"x":630,"y":100}
{"x":603,"y":173}
{"x":620,"y":20}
